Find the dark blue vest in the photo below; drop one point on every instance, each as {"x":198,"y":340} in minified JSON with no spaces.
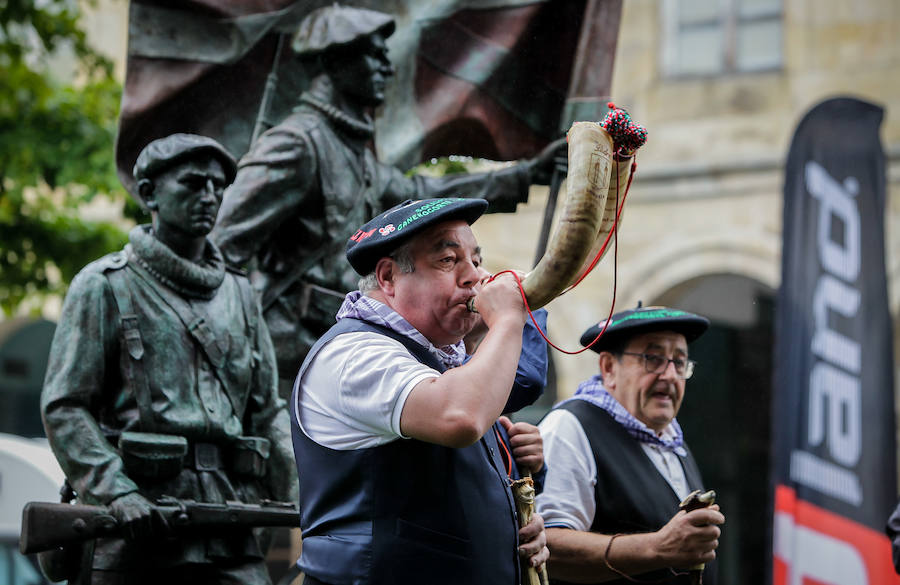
{"x":407,"y":512}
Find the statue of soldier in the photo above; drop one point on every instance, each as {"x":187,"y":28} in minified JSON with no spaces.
{"x":162,"y":382}
{"x":307,"y":181}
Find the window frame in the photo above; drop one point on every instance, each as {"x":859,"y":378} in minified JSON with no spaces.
{"x":728,"y":22}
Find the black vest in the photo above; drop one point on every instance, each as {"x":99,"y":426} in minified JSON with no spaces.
{"x":407,"y":512}
{"x":631,"y":494}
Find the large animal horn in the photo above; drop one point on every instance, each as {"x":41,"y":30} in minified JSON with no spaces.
{"x":588,"y":214}
{"x":618,"y":183}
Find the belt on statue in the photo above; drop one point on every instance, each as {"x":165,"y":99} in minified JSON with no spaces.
{"x":205,"y":457}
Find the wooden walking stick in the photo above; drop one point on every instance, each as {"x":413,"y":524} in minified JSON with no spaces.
{"x":523,"y":492}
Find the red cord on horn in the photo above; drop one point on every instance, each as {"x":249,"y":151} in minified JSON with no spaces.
{"x":613,"y":233}
{"x":619,"y":208}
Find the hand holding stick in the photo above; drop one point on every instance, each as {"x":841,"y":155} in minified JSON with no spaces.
{"x":527,"y":450}
{"x":523,"y":493}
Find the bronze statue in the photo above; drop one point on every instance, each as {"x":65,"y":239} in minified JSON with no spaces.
{"x":307,"y":181}
{"x":161,"y":385}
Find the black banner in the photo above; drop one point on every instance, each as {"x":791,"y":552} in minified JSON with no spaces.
{"x":833,"y":408}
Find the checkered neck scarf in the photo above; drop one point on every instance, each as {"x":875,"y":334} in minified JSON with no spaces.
{"x":358,"y":306}
{"x":592,"y":391}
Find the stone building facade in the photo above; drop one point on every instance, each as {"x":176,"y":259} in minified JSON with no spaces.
{"x":721,"y":87}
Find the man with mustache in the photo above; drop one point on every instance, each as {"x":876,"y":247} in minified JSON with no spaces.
{"x":403,"y":478}
{"x":161,"y":382}
{"x":617,"y":462}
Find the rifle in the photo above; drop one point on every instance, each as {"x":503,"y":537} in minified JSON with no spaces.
{"x":48,"y":525}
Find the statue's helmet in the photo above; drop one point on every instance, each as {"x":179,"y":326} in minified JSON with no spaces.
{"x":337,"y":26}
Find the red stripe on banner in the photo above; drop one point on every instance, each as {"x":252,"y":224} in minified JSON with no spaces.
{"x":814,"y":546}
{"x":779,"y":572}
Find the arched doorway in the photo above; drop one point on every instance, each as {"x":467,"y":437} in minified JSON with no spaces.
{"x":726,"y":411}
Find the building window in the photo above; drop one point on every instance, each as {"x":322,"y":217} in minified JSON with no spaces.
{"x":711,"y":37}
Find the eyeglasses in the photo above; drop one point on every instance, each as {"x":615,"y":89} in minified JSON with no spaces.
{"x":657,"y":364}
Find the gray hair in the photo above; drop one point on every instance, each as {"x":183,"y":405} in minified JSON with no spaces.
{"x":403,"y":256}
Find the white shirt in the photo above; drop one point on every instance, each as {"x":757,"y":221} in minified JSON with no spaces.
{"x":568,"y":497}
{"x":352,"y":394}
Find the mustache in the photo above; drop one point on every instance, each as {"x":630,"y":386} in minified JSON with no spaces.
{"x":665,"y":387}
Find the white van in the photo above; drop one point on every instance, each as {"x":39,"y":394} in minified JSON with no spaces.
{"x":28,"y":472}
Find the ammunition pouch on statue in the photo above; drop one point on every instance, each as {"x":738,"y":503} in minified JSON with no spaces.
{"x":159,"y":457}
{"x":249,"y":456}
{"x":152,"y":455}
{"x":246,"y":456}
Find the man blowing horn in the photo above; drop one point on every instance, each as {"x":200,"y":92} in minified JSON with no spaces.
{"x":402,"y":478}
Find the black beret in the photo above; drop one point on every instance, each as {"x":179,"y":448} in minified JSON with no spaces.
{"x":643,"y":320}
{"x":163,"y":153}
{"x":386,"y":232}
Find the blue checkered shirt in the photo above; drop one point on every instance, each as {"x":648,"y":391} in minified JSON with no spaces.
{"x":592,"y":391}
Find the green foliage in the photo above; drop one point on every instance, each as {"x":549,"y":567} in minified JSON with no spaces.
{"x":56,"y":149}
{"x":445,"y":165}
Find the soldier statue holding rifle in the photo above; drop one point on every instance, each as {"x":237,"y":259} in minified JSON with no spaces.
{"x":161,"y":387}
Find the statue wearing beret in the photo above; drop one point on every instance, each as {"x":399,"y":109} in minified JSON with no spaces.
{"x":308,"y":181}
{"x":161,"y":382}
